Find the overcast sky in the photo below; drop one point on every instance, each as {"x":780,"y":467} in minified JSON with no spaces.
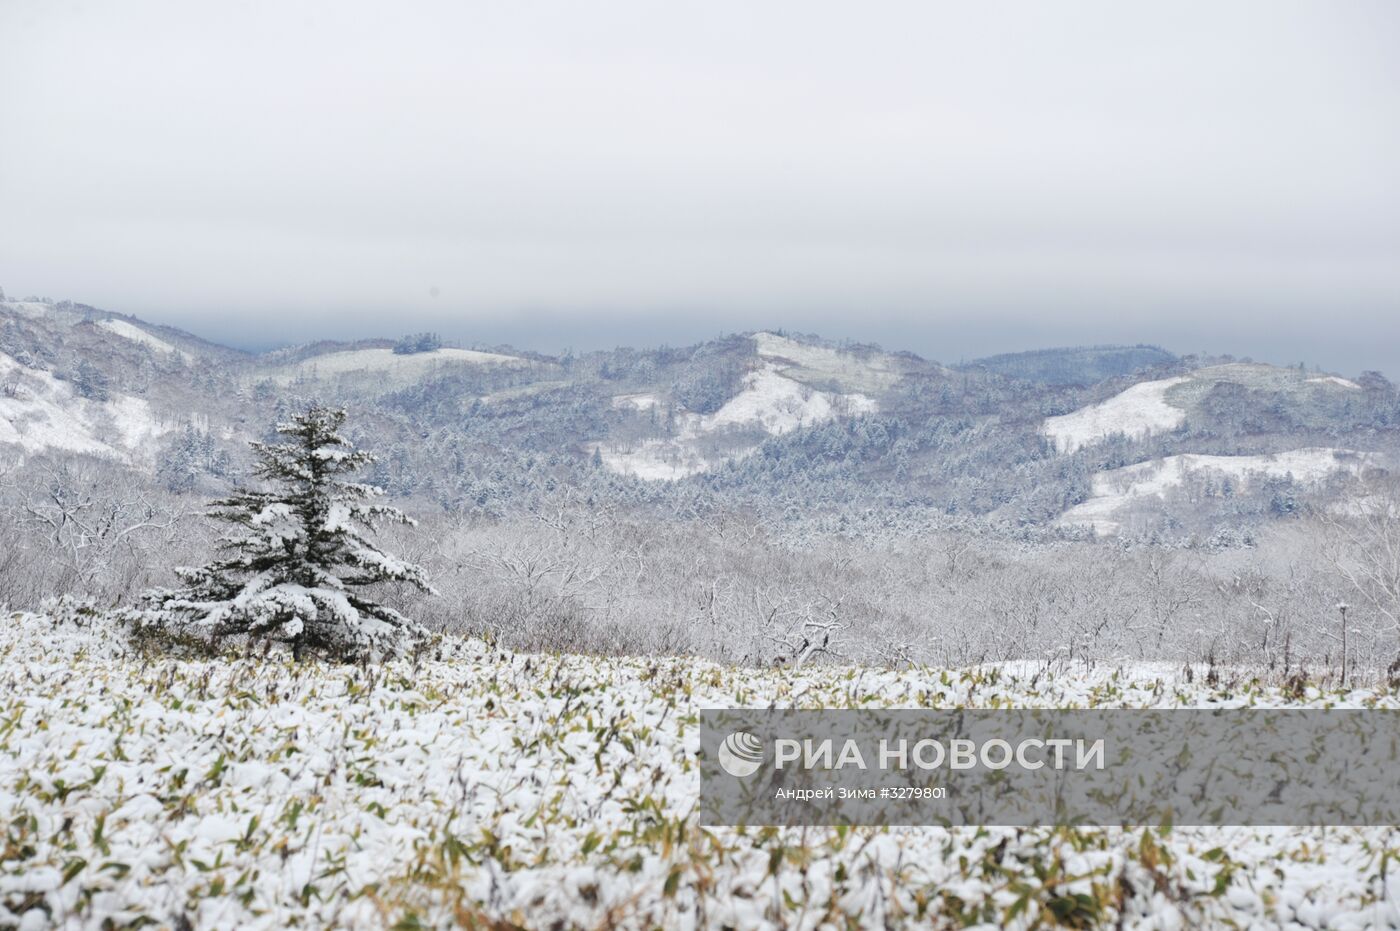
{"x":952,"y":178}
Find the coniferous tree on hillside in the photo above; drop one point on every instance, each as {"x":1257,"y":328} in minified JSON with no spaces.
{"x":90,"y":383}
{"x":294,"y":566}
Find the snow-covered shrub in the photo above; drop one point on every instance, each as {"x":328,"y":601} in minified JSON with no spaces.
{"x":294,"y":568}
{"x":75,"y":627}
{"x":73,"y":610}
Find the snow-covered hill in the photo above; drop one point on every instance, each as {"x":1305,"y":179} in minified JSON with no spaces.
{"x":138,"y":335}
{"x":869,"y":372}
{"x":59,"y":322}
{"x":40,"y":413}
{"x":1136,"y":412}
{"x":1117,"y":490}
{"x":1160,"y":406}
{"x":769,"y":404}
{"x":386,"y":365}
{"x":844,"y":428}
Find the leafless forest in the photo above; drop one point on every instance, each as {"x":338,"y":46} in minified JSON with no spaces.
{"x":569,"y":577}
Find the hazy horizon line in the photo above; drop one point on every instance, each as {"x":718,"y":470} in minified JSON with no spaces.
{"x":357,"y":333}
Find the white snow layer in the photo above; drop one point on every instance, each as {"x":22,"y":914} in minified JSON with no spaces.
{"x":1143,"y":410}
{"x":411,"y":367}
{"x":1334,"y":380}
{"x":38,"y":412}
{"x":636,"y":402}
{"x":476,"y":787}
{"x":781,"y":405}
{"x":137,"y":335}
{"x":768,"y":401}
{"x":873,"y":369}
{"x":1116,"y":489}
{"x":1137,"y":412}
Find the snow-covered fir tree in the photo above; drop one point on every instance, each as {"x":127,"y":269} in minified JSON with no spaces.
{"x":294,"y":566}
{"x":188,"y":455}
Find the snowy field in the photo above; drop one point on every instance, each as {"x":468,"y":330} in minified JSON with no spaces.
{"x":478,"y":788}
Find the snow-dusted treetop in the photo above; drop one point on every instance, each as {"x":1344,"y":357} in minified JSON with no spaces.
{"x":290,"y":569}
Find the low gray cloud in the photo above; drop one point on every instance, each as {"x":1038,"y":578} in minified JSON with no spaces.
{"x":952,"y":178}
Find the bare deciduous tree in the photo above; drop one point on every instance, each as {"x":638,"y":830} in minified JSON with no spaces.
{"x":87,"y":523}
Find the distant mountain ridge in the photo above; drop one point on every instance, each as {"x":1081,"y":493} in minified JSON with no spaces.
{"x":808,"y":431}
{"x":1074,"y":365}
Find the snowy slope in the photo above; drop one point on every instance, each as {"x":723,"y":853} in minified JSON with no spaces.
{"x":388,"y":364}
{"x":866,"y":372}
{"x":779,"y":405}
{"x":1335,"y":380}
{"x":137,"y":335}
{"x":1116,"y":489}
{"x":769,"y":401}
{"x":476,"y":787}
{"x":38,"y":413}
{"x":1137,"y":412}
{"x":1161,"y":406}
